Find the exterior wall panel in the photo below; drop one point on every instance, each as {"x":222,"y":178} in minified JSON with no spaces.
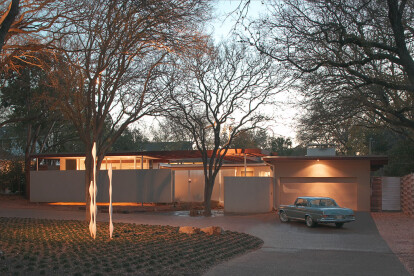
{"x":248,"y":194}
{"x":128,"y":186}
{"x":57,"y":186}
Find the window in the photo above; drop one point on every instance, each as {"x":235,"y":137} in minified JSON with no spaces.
{"x":301,"y":202}
{"x":248,"y":173}
{"x":323,"y":203}
{"x":71,"y":164}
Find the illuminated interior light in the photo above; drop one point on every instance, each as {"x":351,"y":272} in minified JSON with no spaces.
{"x":122,"y":204}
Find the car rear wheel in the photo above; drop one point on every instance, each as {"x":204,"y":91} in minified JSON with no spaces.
{"x":339,"y":224}
{"x":283,"y":217}
{"x":309,"y":221}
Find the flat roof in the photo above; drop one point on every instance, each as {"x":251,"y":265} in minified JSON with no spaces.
{"x":197,"y":166}
{"x":376,"y":161}
{"x":232,"y":155}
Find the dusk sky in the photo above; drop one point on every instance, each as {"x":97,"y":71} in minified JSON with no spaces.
{"x":225,"y":19}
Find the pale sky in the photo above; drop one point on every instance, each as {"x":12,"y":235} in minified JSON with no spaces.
{"x":283,"y":111}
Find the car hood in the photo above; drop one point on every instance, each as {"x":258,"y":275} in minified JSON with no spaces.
{"x":337,"y":211}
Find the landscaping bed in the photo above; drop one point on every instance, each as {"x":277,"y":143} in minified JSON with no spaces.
{"x":396,"y":229}
{"x":51,"y":247}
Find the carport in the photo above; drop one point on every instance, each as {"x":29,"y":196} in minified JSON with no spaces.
{"x":344,"y":178}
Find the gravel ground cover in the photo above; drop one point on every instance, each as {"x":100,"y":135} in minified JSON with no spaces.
{"x":57,"y":247}
{"x":397,"y":229}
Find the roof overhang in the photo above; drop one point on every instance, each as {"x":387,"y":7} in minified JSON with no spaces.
{"x":232,"y":155}
{"x":376,"y":162}
{"x":198,"y":166}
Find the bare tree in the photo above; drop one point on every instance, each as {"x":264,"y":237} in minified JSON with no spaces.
{"x":168,"y":131}
{"x":26,"y":38}
{"x":7,"y":18}
{"x":221,"y":92}
{"x":29,"y":114}
{"x":113,"y":56}
{"x":346,"y":51}
{"x":28,"y":27}
{"x":321,"y":124}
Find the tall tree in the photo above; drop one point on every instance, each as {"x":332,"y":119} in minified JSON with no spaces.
{"x":130,"y":140}
{"x":28,"y":32}
{"x":251,"y":139}
{"x":330,"y":124}
{"x":282,"y":146}
{"x":32,"y":118}
{"x":168,"y":131}
{"x":27,"y":27}
{"x":113,"y":55}
{"x":351,"y":56}
{"x":222,"y":91}
{"x":7,"y":18}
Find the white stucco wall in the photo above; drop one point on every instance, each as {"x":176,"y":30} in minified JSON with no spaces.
{"x":248,"y":194}
{"x":57,"y":186}
{"x":128,"y":186}
{"x":193,"y":191}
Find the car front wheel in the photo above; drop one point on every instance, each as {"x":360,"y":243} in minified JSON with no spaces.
{"x":339,"y":224}
{"x":309,"y":221}
{"x":283,"y":217}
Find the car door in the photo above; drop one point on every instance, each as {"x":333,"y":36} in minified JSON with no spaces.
{"x":289,"y":209}
{"x":297,"y":209}
{"x":301,"y":208}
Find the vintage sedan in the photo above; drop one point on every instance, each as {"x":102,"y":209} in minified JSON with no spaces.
{"x":314,"y":210}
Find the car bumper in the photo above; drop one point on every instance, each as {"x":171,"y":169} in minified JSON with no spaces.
{"x":335,"y":220}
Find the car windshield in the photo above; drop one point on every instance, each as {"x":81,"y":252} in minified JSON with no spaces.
{"x":324,"y":202}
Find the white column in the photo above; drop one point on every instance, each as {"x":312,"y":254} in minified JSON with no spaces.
{"x":245,"y":165}
{"x":189,"y":187}
{"x":220,"y":179}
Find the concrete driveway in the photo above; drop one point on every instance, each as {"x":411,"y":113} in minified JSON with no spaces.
{"x":289,"y":249}
{"x":294,"y":249}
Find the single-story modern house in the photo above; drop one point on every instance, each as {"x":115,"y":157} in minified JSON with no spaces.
{"x":251,"y":180}
{"x":147,"y":176}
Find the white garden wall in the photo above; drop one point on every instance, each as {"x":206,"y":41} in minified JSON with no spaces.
{"x":248,"y":194}
{"x":128,"y":186}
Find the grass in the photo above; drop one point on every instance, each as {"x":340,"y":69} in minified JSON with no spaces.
{"x":58,"y":247}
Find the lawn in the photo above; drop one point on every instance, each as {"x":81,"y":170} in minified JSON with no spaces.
{"x":51,"y":247}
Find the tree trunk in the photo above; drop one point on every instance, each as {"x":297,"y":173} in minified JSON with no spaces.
{"x":208,"y":190}
{"x":8,"y":21}
{"x":89,"y":177}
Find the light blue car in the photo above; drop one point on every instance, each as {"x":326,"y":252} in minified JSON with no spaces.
{"x":314,"y":210}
